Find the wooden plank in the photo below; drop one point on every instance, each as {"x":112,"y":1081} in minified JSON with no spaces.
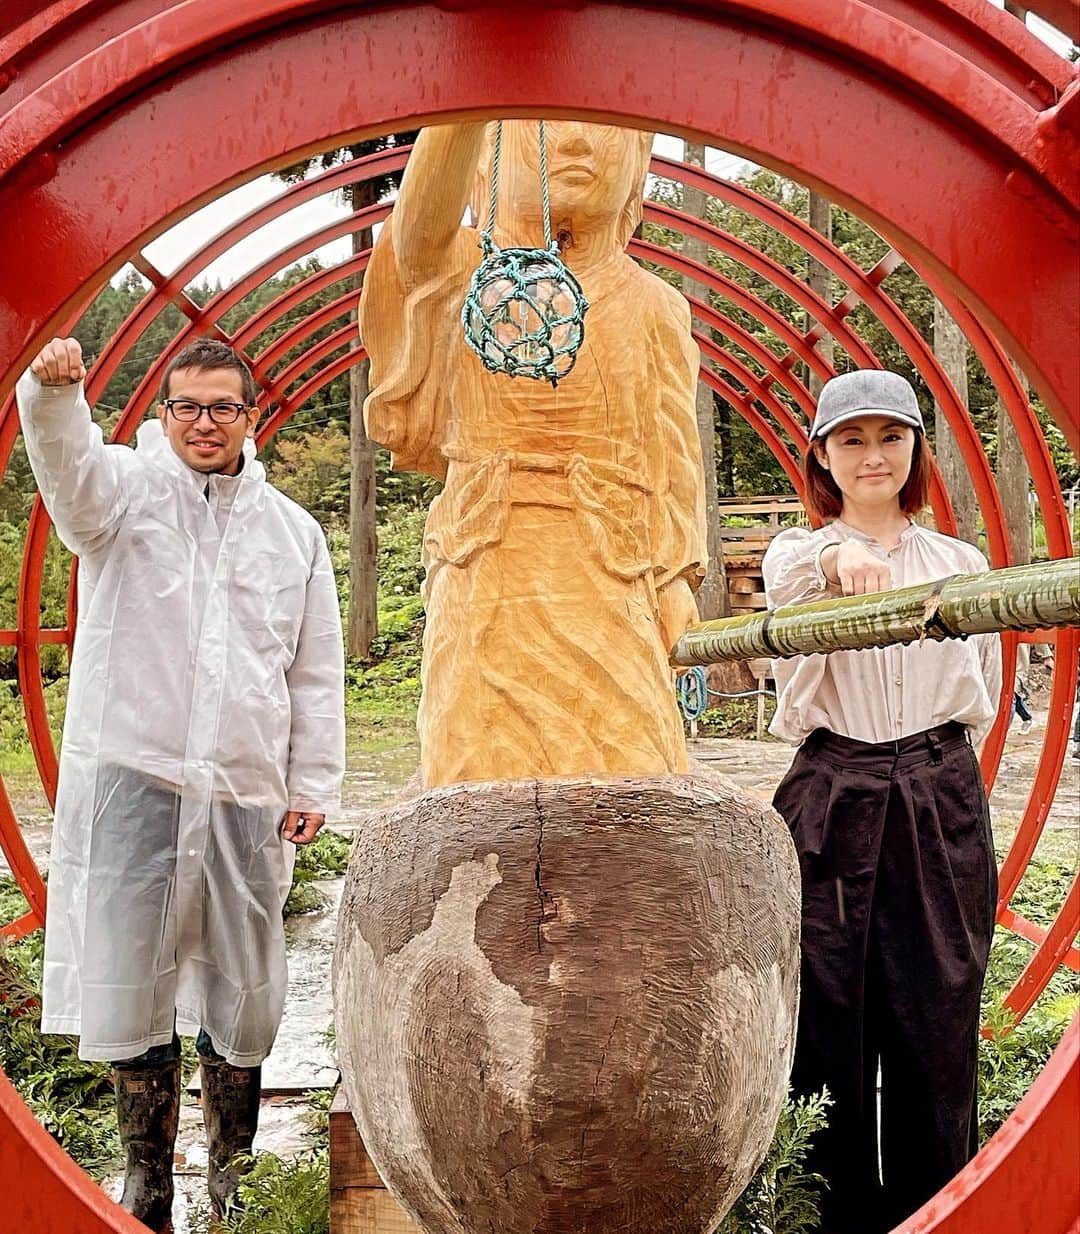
{"x":763,"y":505}
{"x":350,"y":1166}
{"x":743,"y":583}
{"x":367,"y":1210}
{"x":744,"y":534}
{"x":359,"y":1202}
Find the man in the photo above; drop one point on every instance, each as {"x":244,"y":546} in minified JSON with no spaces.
{"x":204,"y":733}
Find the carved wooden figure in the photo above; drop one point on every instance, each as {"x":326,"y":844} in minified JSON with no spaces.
{"x":567,"y":964}
{"x":562,"y":551}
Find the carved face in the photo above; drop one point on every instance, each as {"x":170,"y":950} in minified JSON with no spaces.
{"x":596,"y":175}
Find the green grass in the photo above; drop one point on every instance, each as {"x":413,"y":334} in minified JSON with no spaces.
{"x":735,"y":717}
{"x":1011,"y":1059}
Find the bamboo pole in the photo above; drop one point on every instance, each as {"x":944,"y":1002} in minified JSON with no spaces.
{"x":1031,"y":597}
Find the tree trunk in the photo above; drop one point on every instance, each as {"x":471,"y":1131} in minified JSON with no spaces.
{"x":363,"y":622}
{"x":1014,"y":483}
{"x":725,"y":475}
{"x":569,"y":1004}
{"x":951,"y":350}
{"x":712,"y":596}
{"x":820,"y":279}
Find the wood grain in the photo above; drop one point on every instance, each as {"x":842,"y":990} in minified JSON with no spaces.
{"x":569,"y":1005}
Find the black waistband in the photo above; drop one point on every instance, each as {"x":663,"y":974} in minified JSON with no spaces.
{"x":915,"y":748}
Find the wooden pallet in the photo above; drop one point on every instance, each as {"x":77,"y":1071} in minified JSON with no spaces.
{"x":746,"y":587}
{"x":359,"y":1201}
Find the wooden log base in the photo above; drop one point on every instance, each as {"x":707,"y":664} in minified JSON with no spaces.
{"x":568,"y":1006}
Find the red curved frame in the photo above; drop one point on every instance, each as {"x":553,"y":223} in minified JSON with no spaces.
{"x":860,"y":95}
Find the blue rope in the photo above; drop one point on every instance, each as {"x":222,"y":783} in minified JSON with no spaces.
{"x":692,"y":692}
{"x":524,"y":312}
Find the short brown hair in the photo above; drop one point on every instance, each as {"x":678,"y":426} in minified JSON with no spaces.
{"x":824,"y":499}
{"x":210,"y":353}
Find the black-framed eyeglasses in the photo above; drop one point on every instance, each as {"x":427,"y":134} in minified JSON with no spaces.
{"x":187,"y":411}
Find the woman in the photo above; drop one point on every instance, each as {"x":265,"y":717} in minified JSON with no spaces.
{"x":887,"y":808}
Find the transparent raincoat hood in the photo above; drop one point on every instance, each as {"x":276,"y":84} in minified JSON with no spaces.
{"x":205,"y":700}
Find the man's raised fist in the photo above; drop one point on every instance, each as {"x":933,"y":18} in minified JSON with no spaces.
{"x":59,"y":363}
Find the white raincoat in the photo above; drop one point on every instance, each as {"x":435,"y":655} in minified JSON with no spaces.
{"x":205,"y":699}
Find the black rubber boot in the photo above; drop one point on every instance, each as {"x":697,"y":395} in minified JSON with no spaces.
{"x":148,"y":1111}
{"x":230,"y":1103}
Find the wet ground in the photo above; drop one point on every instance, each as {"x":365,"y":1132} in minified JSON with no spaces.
{"x":302,"y":1060}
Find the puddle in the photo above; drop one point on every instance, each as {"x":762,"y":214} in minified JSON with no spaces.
{"x":300,"y":1058}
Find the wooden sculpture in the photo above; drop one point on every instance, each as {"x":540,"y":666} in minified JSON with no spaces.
{"x":562,"y":552}
{"x":567,"y":964}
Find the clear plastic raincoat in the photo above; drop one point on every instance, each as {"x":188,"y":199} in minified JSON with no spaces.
{"x":205,"y":699}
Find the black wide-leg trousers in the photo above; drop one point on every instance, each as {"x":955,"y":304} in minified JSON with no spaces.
{"x":899,"y":885}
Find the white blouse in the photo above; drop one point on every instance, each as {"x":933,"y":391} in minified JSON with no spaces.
{"x":880,"y":693}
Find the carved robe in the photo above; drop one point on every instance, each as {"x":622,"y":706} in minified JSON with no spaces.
{"x":569,"y":517}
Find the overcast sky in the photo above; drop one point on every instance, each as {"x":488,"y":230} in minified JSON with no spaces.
{"x":171,"y":249}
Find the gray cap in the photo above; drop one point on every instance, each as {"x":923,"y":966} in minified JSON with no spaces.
{"x":866,"y":392}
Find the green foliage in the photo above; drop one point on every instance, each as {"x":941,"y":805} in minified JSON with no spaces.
{"x":12,"y":901}
{"x":284,"y":1197}
{"x":325,"y":857}
{"x":313,"y":469}
{"x":72,"y":1099}
{"x":783,"y":1196}
{"x":383,"y":693}
{"x":15,"y":750}
{"x":1011,"y":1058}
{"x":317,"y":1116}
{"x":400,"y":538}
{"x":734,"y":717}
{"x":54,"y":587}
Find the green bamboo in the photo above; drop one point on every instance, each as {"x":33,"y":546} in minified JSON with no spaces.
{"x":1038,"y":596}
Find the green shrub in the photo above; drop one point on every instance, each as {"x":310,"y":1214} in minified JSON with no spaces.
{"x":326,"y":856}
{"x":783,"y":1197}
{"x":734,"y":717}
{"x":284,"y":1197}
{"x":72,"y":1099}
{"x":1011,"y":1057}
{"x":15,"y":749}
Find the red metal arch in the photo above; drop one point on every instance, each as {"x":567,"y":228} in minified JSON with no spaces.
{"x":982,"y":118}
{"x":855,"y":92}
{"x":375,"y":165}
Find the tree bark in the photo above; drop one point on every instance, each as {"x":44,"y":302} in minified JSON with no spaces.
{"x":553,"y":997}
{"x":1014,"y":483}
{"x":712,"y":595}
{"x":951,"y":350}
{"x":363,"y":623}
{"x":820,"y":278}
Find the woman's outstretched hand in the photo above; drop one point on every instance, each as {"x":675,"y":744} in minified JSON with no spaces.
{"x":857,"y":570}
